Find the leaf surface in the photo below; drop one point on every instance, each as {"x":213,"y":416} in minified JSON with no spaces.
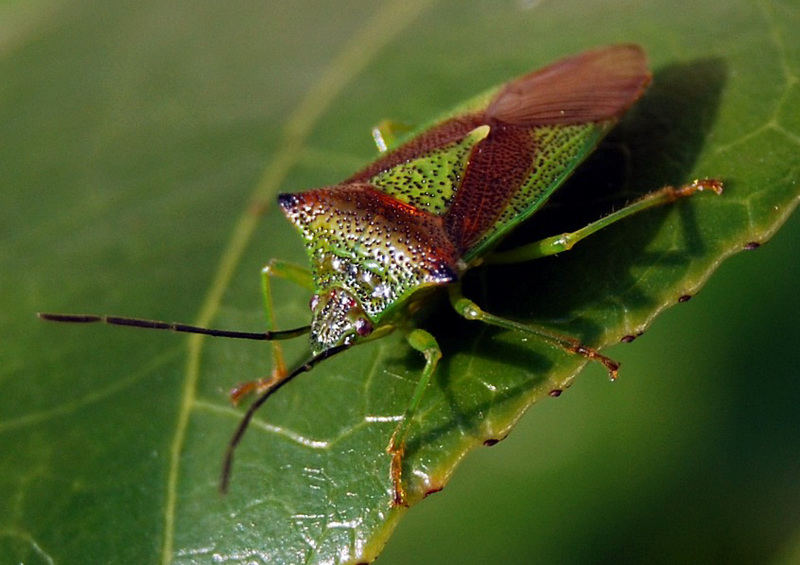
{"x":141,"y":150}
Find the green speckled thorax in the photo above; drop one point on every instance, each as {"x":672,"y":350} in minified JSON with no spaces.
{"x":422,"y":213}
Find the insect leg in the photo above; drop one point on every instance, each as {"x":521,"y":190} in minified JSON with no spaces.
{"x":426,"y":344}
{"x":565,"y":241}
{"x":385,"y":134}
{"x":471,"y":311}
{"x":293,"y":273}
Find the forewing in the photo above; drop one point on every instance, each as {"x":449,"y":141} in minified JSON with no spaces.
{"x":542,"y":126}
{"x":493,"y":161}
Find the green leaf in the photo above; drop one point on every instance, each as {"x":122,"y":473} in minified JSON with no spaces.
{"x":141,"y":148}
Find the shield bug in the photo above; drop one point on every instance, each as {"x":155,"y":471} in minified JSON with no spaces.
{"x":430,"y":208}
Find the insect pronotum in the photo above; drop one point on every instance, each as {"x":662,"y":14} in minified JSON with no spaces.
{"x":427,"y":210}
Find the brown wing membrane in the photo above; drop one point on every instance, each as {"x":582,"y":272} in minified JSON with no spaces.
{"x":593,"y":86}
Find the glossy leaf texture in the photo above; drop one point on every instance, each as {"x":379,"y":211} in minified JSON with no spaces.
{"x":141,"y":150}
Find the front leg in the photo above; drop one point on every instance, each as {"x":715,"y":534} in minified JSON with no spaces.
{"x":293,"y":273}
{"x":426,"y":344}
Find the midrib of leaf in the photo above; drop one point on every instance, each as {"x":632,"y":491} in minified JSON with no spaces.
{"x":376,"y":32}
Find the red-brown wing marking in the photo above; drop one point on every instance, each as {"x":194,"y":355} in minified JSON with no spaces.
{"x":498,"y":166}
{"x":595,"y":85}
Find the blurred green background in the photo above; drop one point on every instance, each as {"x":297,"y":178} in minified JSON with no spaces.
{"x":132,"y":138}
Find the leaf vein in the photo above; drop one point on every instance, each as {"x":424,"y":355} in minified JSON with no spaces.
{"x":386,"y":23}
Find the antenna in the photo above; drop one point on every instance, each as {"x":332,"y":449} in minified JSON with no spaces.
{"x":185,"y":328}
{"x":171,"y":326}
{"x":245,"y":422}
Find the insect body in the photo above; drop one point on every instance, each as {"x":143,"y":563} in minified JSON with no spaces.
{"x":437,"y":205}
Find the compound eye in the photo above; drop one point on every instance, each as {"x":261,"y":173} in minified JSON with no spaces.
{"x":314,"y":302}
{"x":363,"y":327}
